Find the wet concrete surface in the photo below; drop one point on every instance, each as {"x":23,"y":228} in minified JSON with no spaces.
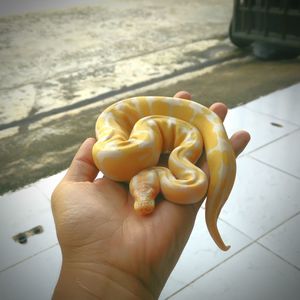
{"x":52,"y":59}
{"x":60,"y":69}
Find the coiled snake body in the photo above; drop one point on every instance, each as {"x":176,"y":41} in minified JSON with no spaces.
{"x":133,"y":133}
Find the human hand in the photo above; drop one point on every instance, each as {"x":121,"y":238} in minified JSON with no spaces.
{"x":109,"y":251}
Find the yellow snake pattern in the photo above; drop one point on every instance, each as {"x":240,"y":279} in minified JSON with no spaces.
{"x":133,"y":133}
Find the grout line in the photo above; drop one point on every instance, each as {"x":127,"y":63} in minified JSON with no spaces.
{"x":278,"y":225}
{"x":270,"y":115}
{"x":275,"y":168}
{"x":277,"y":255}
{"x":237,"y":229}
{"x":252,"y":242}
{"x":266,"y":233}
{"x":275,"y":140}
{"x":211,"y":269}
{"x":27,"y":258}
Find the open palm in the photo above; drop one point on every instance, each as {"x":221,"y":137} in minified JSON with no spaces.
{"x":96,"y":223}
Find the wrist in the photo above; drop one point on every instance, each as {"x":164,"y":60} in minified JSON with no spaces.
{"x":90,"y":281}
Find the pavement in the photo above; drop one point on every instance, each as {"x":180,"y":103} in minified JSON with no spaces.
{"x":60,"y":68}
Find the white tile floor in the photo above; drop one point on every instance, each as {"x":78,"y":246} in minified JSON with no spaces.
{"x":261,"y":221}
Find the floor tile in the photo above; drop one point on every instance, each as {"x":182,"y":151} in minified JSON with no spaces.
{"x":19,"y":212}
{"x":283,"y":104}
{"x":282,"y":154}
{"x":254,"y":273}
{"x":171,"y":287}
{"x":285,"y":241}
{"x":48,"y":184}
{"x":201,"y":253}
{"x":261,"y":199}
{"x":258,"y":125}
{"x":34,"y":279}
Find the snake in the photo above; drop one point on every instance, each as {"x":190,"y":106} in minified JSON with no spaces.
{"x":133,"y":134}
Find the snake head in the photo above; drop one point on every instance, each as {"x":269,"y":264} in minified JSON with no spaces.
{"x":144,"y":188}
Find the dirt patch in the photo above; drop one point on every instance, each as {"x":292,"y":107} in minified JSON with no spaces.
{"x":32,"y":154}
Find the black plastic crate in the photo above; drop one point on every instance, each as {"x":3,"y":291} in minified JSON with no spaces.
{"x":273,"y":22}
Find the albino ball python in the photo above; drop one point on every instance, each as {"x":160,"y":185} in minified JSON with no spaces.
{"x":133,"y":133}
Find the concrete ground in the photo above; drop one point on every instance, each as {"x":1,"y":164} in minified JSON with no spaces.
{"x":59,"y":69}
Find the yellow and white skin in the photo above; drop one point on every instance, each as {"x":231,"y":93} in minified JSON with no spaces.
{"x":133,"y":133}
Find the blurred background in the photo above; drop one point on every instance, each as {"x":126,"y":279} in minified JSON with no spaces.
{"x":63,"y":62}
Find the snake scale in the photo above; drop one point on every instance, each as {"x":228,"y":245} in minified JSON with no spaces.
{"x":133,"y":133}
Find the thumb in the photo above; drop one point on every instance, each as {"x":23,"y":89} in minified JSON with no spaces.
{"x":82,"y":167}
